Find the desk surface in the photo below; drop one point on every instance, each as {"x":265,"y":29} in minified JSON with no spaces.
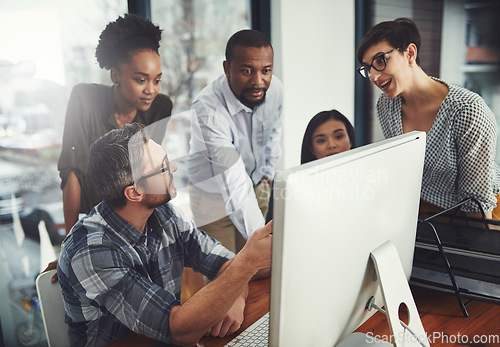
{"x":439,"y":312}
{"x":444,"y":323}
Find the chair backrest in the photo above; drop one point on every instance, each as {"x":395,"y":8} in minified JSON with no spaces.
{"x":51,"y":304}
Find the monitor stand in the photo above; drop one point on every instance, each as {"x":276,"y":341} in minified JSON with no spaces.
{"x":395,"y":291}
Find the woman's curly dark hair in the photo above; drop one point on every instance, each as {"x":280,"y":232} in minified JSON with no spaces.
{"x":125,"y":36}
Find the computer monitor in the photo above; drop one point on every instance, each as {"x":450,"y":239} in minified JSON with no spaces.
{"x":329,"y":215}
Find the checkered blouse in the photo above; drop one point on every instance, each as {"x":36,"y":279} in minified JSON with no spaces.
{"x":460,"y":150}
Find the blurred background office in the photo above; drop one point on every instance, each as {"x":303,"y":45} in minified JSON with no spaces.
{"x":49,"y":46}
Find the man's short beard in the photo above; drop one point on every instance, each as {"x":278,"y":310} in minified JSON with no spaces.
{"x":153,"y":203}
{"x":156,"y":200}
{"x":250,"y":103}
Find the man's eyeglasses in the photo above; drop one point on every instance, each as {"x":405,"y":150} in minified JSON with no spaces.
{"x":165,"y":167}
{"x":379,"y":63}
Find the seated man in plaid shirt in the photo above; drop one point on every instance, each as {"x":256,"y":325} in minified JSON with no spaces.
{"x":121,"y":266}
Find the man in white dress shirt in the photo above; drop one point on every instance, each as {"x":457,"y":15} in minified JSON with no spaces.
{"x":236,"y":129}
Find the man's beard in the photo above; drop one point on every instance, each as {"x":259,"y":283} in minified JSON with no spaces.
{"x":158,"y":200}
{"x":155,"y":200}
{"x":251,"y":103}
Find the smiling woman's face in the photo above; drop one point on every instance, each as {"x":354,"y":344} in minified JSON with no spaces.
{"x":138,"y":80}
{"x":392,"y":79}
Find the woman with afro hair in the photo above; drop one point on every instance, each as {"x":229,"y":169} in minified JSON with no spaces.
{"x":128,"y":48}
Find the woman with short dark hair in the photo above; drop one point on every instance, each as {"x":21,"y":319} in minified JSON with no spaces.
{"x":461,"y":129}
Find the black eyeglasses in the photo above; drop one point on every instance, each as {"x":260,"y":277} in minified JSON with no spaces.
{"x":379,"y":63}
{"x":165,"y":167}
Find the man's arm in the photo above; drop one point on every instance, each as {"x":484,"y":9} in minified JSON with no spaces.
{"x":189,"y":322}
{"x":233,"y":319}
{"x":222,"y":167}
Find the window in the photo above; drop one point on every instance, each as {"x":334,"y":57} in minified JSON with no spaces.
{"x":47,"y":48}
{"x":51,"y":48}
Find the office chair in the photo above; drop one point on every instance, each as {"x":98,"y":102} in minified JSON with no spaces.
{"x":52,"y":307}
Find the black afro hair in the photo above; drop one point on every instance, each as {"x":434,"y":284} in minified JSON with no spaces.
{"x":125,"y":36}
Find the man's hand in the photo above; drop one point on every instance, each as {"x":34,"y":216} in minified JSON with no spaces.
{"x":268,"y":180}
{"x":257,"y":250}
{"x":231,"y":321}
{"x":52,"y":266}
{"x":217,"y":308}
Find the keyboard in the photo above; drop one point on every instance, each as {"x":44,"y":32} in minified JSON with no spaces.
{"x":255,"y":335}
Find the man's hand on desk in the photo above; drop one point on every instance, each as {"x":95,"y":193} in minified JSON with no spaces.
{"x":231,"y":321}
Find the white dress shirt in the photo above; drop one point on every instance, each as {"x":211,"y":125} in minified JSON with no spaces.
{"x":233,"y":147}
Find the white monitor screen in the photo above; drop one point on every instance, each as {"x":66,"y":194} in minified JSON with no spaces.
{"x":328,"y":216}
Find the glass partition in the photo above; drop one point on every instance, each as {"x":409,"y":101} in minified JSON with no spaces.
{"x":192,"y":50}
{"x":47,"y":47}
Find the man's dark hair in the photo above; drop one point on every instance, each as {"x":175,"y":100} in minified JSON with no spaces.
{"x":125,"y":36}
{"x":307,"y":155}
{"x":109,"y":164}
{"x":399,"y":33}
{"x":246,"y":38}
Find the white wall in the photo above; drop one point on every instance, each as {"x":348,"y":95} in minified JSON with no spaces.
{"x":315,"y":58}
